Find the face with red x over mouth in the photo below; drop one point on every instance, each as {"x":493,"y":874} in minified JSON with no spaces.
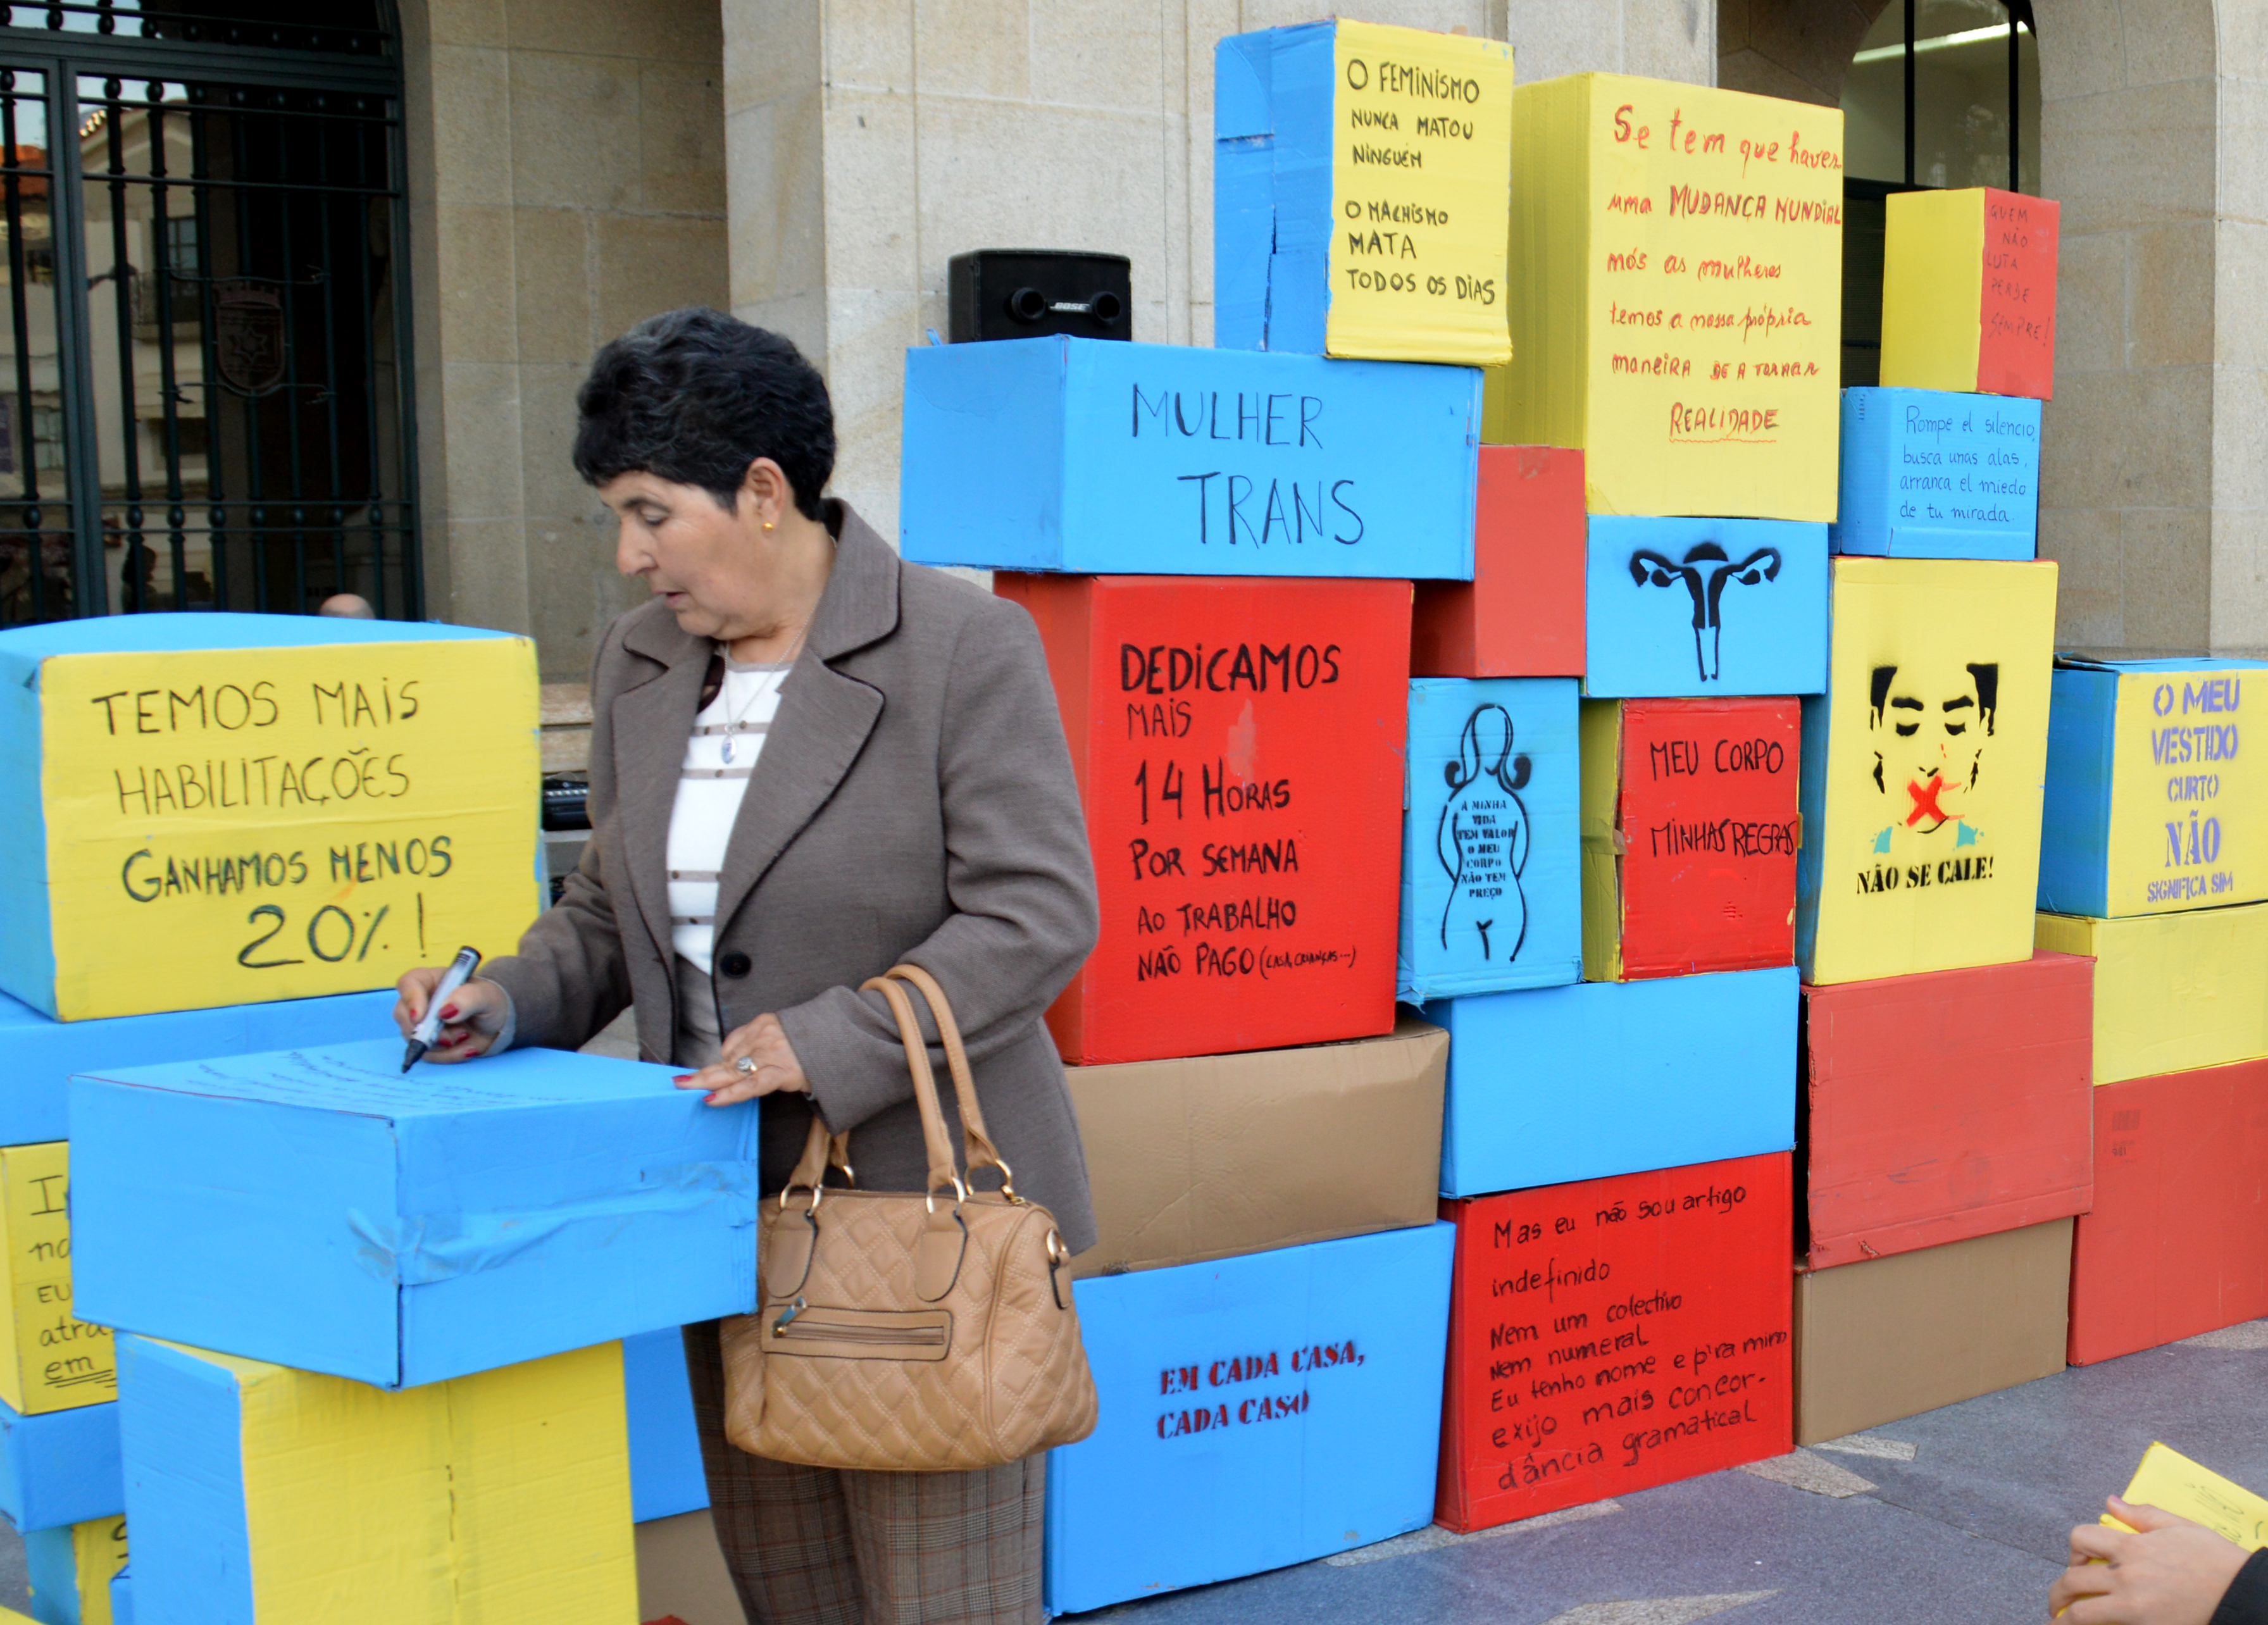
{"x":1930,"y":724}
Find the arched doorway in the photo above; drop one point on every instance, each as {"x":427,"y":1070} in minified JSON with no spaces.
{"x":204,"y":387}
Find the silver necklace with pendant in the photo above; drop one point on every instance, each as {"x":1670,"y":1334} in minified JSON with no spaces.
{"x":732,"y":722}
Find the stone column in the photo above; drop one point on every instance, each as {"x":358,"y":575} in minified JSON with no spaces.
{"x":567,"y":180}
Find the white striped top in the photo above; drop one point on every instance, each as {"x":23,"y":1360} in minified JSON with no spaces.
{"x":720,"y":752}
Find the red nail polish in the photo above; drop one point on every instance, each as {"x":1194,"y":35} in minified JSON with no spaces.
{"x":684,"y":1077}
{"x":711,"y":1097}
{"x":450,"y":1013}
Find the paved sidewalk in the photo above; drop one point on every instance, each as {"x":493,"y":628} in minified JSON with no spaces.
{"x":1955,"y":1517}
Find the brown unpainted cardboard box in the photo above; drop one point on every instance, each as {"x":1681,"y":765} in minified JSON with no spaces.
{"x":681,"y":1573}
{"x":1896,"y":1336}
{"x":1227,"y":1154}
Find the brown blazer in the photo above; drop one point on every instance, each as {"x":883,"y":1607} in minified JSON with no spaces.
{"x":914,"y":801}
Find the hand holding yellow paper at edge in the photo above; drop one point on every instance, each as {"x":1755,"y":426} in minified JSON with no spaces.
{"x":2169,"y":1482}
{"x":2172,"y":1482}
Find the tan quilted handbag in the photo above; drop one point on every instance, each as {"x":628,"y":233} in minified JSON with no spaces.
{"x":909,"y":1332}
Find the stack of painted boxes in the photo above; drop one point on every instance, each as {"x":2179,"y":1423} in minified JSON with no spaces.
{"x":1946,"y":1112}
{"x":229,"y":822}
{"x":1218,"y":546}
{"x":1618,"y":1148}
{"x":2155,"y":819}
{"x":173,"y":902}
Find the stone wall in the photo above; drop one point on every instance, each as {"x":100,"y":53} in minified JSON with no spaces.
{"x":870,"y":140}
{"x":567,"y":180}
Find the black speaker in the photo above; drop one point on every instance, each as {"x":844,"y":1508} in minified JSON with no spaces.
{"x":1022,"y":293}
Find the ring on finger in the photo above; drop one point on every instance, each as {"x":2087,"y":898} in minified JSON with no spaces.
{"x":746,"y":1066}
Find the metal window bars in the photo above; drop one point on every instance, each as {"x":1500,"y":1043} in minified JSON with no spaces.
{"x":205,"y":364}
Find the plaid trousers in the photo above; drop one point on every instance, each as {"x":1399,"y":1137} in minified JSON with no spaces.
{"x":816,"y":1545}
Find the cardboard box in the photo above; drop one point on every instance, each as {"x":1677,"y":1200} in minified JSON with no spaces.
{"x":2173,"y":992}
{"x":1968,"y":292}
{"x":1689,"y":835}
{"x":682,"y":1574}
{"x":1705,"y":606}
{"x":1238,"y":745}
{"x":1490,"y":893}
{"x":52,"y":1360}
{"x":2177,"y":1241}
{"x":1352,"y":1132}
{"x":1892,"y":1337}
{"x":1093,"y":455}
{"x":221,"y":809}
{"x":1902,"y":1154}
{"x":1612,"y":1335}
{"x":666,"y":1473}
{"x":2151,"y":806}
{"x":43,"y":1052}
{"x":1522,"y":615}
{"x":1361,"y":174}
{"x":1922,"y":767}
{"x":1605,"y":1078}
{"x":60,"y":1468}
{"x":319,"y":1208}
{"x":70,"y":1570}
{"x":1256,"y":1411}
{"x":258,"y":1494}
{"x":1934,"y":474}
{"x":1676,"y":295}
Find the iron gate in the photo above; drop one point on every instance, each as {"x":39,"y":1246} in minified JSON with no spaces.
{"x":204,"y":357}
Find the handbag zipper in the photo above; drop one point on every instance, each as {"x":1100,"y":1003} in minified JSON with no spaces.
{"x":800,"y":1326}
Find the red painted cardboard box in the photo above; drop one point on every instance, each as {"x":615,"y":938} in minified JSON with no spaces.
{"x":1238,"y":749}
{"x":1616,"y":1334}
{"x":1946,"y":1106}
{"x":2177,"y":1243}
{"x":1689,"y":835}
{"x":1522,"y":615}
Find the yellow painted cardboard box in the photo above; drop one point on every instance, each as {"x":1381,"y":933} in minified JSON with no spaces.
{"x":2154,"y":804}
{"x":1361,"y":176}
{"x":269,"y":1496}
{"x":53,"y":1361}
{"x":2173,"y":992}
{"x":1676,"y":266}
{"x":1922,"y":768}
{"x":71,"y":1569}
{"x":1968,"y":292}
{"x":252,"y":818}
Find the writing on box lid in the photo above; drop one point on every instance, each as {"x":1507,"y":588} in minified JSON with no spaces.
{"x":1103,"y":458}
{"x":366,"y":1079}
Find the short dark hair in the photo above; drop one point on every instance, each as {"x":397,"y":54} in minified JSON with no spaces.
{"x":695,"y":396}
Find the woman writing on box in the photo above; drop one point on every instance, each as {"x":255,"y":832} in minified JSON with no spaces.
{"x":809,"y":761}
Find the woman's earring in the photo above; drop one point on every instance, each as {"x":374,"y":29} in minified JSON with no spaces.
{"x":767,"y":525}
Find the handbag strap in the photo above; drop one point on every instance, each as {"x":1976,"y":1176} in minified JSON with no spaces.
{"x":977,"y":1147}
{"x":820,"y":1148}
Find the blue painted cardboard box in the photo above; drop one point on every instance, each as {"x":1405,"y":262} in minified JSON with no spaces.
{"x":42,"y":1053}
{"x":316,"y":1209}
{"x":1928,"y":474}
{"x":1606,"y":1077}
{"x":1096,"y":457}
{"x":1704,"y":606}
{"x":121,"y":1597}
{"x":1491,"y":892}
{"x":61,"y":1467}
{"x":1256,"y":1411}
{"x":666,"y":1473}
{"x":2151,"y":804}
{"x":1307,"y":256}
